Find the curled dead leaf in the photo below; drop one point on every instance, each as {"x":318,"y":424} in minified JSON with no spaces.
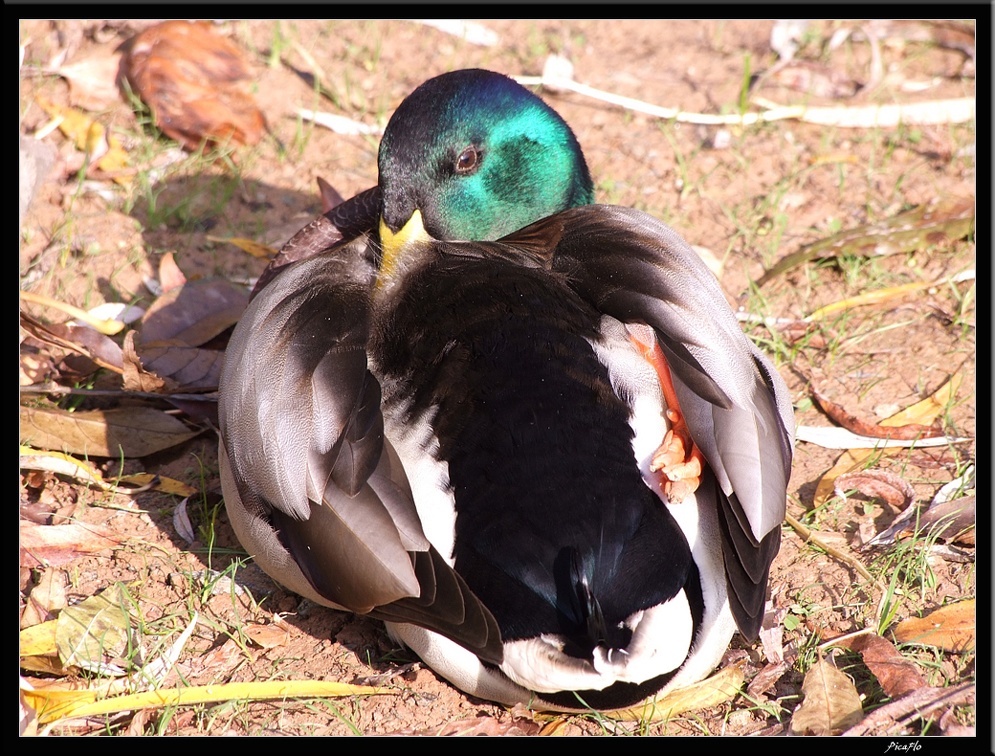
{"x":196,"y":83}
{"x":851,"y":422}
{"x":878,"y":484}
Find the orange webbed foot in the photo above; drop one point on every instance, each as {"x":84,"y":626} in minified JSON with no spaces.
{"x":678,"y":459}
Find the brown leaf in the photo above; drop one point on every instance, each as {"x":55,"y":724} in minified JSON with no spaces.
{"x":192,"y":314}
{"x":896,"y":674}
{"x":944,"y":219}
{"x":82,"y":339}
{"x":52,"y":545}
{"x":267,"y":636}
{"x":136,"y":376}
{"x":93,"y":81}
{"x":878,"y":484}
{"x":47,"y":597}
{"x":128,"y":431}
{"x":185,"y":367}
{"x":851,"y":422}
{"x":952,"y":520}
{"x":922,"y":413}
{"x":951,"y":628}
{"x":170,"y":275}
{"x":831,"y":703}
{"x":766,"y":678}
{"x":196,"y":83}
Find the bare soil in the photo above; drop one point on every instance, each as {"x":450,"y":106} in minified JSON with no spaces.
{"x":749,"y":195}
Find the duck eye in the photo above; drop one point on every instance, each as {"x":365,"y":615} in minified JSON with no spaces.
{"x":468,"y":161}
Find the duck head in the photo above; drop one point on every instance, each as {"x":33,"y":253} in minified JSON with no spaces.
{"x":472,"y":155}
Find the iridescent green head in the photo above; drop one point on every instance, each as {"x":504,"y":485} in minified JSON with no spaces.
{"x":480,"y":157}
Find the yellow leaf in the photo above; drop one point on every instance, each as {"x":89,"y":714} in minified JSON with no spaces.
{"x":56,"y":704}
{"x":106,"y":327}
{"x":95,"y":633}
{"x":90,"y":136}
{"x":115,"y":161}
{"x":869,"y":298}
{"x":83,"y":130}
{"x":39,"y":640}
{"x":166,"y":485}
{"x":254,"y":248}
{"x":930,"y":408}
{"x":721,"y":687}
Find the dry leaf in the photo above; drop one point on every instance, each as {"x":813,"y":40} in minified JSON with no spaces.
{"x":182,"y":524}
{"x":838,"y":414}
{"x":27,"y":720}
{"x":896,"y":674}
{"x":127,"y":431}
{"x":190,"y":368}
{"x":95,"y":634}
{"x":879,"y":296}
{"x":192,"y":314}
{"x":951,"y":628}
{"x":103,"y":150}
{"x":136,"y":376}
{"x":45,"y":545}
{"x":53,"y":703}
{"x":942,"y":519}
{"x":78,"y":338}
{"x":105,"y":326}
{"x":267,"y":636}
{"x":952,"y":520}
{"x":924,"y":412}
{"x":831,"y":703}
{"x":93,"y":81}
{"x":254,"y":248}
{"x":47,"y":598}
{"x":170,"y":275}
{"x":196,"y":83}
{"x":720,"y":688}
{"x":879,"y":484}
{"x":841,"y":438}
{"x":38,"y":640}
{"x":904,"y":716}
{"x":945,"y":219}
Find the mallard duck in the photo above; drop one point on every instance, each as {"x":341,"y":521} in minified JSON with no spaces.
{"x":524,"y":430}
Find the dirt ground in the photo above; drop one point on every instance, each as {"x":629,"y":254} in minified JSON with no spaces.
{"x":749,"y":195}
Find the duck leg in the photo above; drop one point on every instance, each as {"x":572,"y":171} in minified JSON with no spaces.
{"x":678,"y":458}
